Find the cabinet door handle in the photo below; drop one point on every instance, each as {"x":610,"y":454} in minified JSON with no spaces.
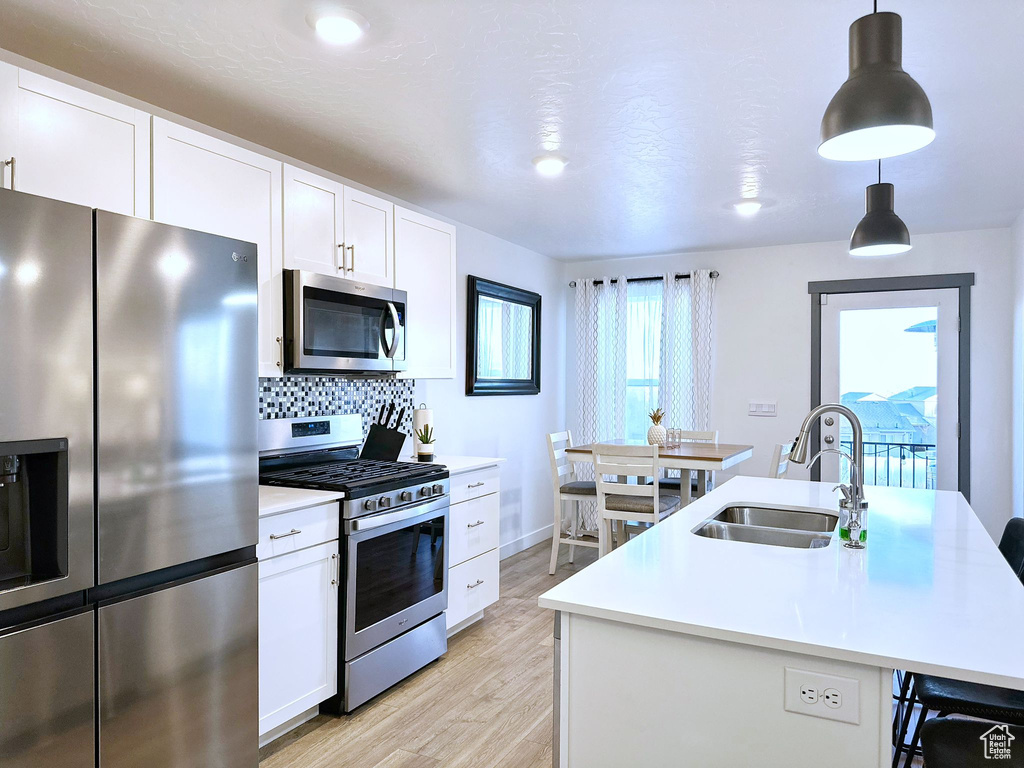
{"x":474,"y":525}
{"x":352,"y":252}
{"x":344,"y":265}
{"x":11,"y":163}
{"x":280,"y":343}
{"x":476,"y":485}
{"x":474,"y":586}
{"x":292,"y":532}
{"x":335,"y":570}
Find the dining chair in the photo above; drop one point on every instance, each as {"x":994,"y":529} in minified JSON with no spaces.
{"x":780,"y":460}
{"x":568,"y":488}
{"x":619,"y":501}
{"x":957,"y":697}
{"x":673,"y":484}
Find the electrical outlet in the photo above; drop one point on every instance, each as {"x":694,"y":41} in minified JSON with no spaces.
{"x":832,"y":697}
{"x":809,"y":694}
{"x":821,"y":695}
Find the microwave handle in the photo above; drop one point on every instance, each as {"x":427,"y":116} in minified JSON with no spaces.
{"x":392,"y":348}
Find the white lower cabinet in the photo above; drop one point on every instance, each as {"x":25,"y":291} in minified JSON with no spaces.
{"x":298,"y":630}
{"x":472,"y":586}
{"x":473,"y":522}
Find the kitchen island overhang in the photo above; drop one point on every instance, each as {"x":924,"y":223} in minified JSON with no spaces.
{"x":931,"y":593}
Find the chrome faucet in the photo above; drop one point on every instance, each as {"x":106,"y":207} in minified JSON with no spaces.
{"x":853,"y":494}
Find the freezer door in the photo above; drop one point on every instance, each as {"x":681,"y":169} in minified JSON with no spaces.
{"x":177,"y":395}
{"x":45,"y":395}
{"x":46,"y":695}
{"x":178,"y":676}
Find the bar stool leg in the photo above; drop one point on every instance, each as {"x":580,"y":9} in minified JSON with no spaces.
{"x":574,"y":510}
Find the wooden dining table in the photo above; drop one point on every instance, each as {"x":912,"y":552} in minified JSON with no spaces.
{"x":703,"y":458}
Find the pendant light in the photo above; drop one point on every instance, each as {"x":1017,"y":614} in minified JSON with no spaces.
{"x":881,"y":232}
{"x":880,"y":111}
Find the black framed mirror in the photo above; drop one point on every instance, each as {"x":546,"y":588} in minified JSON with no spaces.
{"x":502,"y":339}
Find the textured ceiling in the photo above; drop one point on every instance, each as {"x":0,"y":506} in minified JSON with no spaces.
{"x":668,"y":110}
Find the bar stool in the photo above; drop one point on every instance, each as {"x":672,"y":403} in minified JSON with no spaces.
{"x":956,"y":697}
{"x":954,"y":743}
{"x":568,"y":488}
{"x":620,"y":501}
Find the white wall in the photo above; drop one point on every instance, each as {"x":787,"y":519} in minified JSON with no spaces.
{"x":1017,"y":454}
{"x":762,"y":317}
{"x":511,"y":427}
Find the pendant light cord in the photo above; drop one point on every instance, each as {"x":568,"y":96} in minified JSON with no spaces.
{"x":879,"y":171}
{"x":876,"y":6}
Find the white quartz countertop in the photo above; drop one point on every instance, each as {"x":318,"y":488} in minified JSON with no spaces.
{"x":459,"y":464}
{"x":274,"y":499}
{"x":931,"y":593}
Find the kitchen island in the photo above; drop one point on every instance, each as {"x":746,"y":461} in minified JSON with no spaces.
{"x":678,"y":649}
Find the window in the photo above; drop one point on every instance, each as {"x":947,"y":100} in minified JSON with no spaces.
{"x":643,"y":354}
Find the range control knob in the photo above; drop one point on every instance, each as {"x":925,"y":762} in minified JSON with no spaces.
{"x":438,"y":488}
{"x":370,"y":505}
{"x":425,"y":491}
{"x":405,"y":496}
{"x":384,"y":501}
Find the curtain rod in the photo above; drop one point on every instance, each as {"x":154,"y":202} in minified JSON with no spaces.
{"x":679,"y":276}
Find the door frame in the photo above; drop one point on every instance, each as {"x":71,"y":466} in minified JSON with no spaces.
{"x":962,"y":281}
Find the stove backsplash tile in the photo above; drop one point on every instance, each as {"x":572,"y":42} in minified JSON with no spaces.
{"x":301,"y":396}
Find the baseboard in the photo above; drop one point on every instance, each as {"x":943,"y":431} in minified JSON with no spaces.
{"x":289,"y":725}
{"x":525,"y":542}
{"x":465,"y":623}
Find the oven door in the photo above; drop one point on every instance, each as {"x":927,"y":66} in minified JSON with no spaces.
{"x":396,"y":573}
{"x":333,"y":324}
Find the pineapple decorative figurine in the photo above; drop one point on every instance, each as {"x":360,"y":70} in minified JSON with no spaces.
{"x":657,"y":434}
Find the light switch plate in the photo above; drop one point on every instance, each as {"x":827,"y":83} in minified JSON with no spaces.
{"x":762,"y":409}
{"x":820,"y":695}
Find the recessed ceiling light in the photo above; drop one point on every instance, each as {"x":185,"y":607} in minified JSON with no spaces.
{"x":549,"y":165}
{"x":747,"y":207}
{"x":342,"y":27}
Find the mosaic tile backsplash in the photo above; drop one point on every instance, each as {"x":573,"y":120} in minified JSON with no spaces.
{"x":301,"y":396}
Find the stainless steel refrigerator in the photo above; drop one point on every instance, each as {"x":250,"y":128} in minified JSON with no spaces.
{"x":128,"y":492}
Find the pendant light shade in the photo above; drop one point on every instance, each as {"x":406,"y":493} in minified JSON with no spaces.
{"x":880,"y":111}
{"x":881,"y":232}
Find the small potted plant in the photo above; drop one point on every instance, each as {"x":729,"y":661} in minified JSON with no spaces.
{"x":657,"y":434}
{"x":425,"y":443}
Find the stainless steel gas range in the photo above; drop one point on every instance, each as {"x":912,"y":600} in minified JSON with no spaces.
{"x":394,"y":549}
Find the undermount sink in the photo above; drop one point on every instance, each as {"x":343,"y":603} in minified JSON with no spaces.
{"x":769,"y":517}
{"x":776,"y":527}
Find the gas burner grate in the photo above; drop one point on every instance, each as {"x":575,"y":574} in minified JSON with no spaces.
{"x":350,"y":472}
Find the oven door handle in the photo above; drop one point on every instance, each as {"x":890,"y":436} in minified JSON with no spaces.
{"x":379,"y":521}
{"x":392,"y":348}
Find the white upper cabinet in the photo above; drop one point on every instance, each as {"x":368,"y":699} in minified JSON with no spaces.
{"x":207,"y":184}
{"x":335,"y":230}
{"x":369,"y":238}
{"x":71,"y":145}
{"x":314,"y":228}
{"x":425,"y":269}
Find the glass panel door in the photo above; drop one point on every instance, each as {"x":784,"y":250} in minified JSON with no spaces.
{"x":891,"y":357}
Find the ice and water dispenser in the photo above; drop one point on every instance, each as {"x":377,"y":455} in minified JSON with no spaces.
{"x":33,"y":512}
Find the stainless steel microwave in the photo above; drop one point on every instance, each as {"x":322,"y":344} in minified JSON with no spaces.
{"x":334,"y":326}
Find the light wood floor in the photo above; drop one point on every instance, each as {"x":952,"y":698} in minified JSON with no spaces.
{"x":485,"y":704}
